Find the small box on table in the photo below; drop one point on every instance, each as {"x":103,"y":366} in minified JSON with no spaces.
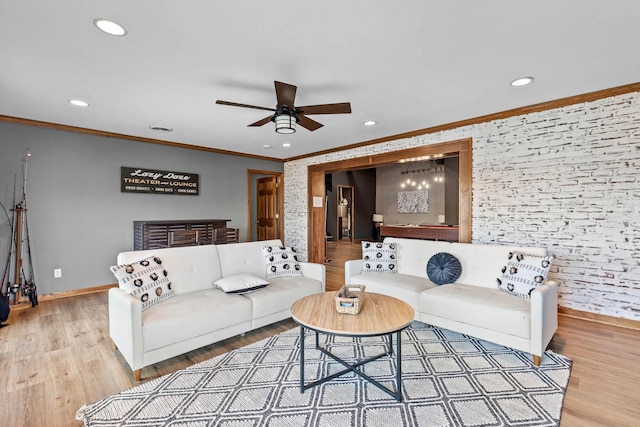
{"x":350,"y":299}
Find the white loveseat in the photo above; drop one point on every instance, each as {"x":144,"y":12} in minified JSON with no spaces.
{"x":199,"y":314}
{"x":473,"y":304}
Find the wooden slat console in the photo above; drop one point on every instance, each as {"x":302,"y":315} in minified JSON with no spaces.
{"x":155,"y":234}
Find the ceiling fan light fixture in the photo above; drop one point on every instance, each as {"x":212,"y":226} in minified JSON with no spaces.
{"x":285,"y":123}
{"x":287,"y":116}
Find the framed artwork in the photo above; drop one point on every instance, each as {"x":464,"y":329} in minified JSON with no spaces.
{"x":413,"y":201}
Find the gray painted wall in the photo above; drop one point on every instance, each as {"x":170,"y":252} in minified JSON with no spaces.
{"x":78,"y":218}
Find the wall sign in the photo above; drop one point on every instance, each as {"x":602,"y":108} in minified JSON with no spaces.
{"x":139,"y":180}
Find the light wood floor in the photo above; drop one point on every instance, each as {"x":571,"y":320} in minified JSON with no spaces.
{"x":56,"y":357}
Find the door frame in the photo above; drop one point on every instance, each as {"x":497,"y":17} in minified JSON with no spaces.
{"x":279,"y":200}
{"x":315,"y":174}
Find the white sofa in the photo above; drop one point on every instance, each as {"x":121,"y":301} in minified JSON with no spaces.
{"x":473,"y":305}
{"x":199,"y":314}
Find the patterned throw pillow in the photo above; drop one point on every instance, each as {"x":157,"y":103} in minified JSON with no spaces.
{"x":281,"y":261}
{"x":523,"y":273}
{"x":443,"y":268}
{"x":146,"y":280}
{"x":379,"y":257}
{"x":240,"y":284}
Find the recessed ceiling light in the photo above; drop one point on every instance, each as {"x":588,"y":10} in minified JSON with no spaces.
{"x":78,"y":103}
{"x":522,"y":81}
{"x":369,"y":123}
{"x":266,"y":146}
{"x":109,"y":27}
{"x":161,"y":128}
{"x":286,"y":144}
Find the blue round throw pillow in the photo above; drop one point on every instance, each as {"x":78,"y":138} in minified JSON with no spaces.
{"x":443,"y":268}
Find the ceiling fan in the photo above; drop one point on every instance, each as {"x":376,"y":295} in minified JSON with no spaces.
{"x":286,"y":115}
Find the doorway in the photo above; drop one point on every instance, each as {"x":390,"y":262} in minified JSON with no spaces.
{"x":316,"y":184}
{"x":345,"y":213}
{"x":265,"y":204}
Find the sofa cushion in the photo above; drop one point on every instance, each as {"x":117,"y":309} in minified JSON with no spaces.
{"x":523,"y":273}
{"x":191,"y":315}
{"x":481,"y":263}
{"x":145,"y":279}
{"x":245,"y":257}
{"x":482,"y":307}
{"x":191,"y":268}
{"x":413,"y":254}
{"x":402,"y":286}
{"x":281,"y":261}
{"x":240,"y":284}
{"x":443,"y":268}
{"x":379,"y":257}
{"x":281,"y":293}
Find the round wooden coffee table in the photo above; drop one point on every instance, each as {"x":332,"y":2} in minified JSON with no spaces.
{"x":380,"y":315}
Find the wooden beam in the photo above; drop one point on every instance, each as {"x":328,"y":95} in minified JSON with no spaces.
{"x":316,"y":222}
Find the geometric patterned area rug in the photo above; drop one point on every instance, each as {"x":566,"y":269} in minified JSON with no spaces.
{"x":448,"y":379}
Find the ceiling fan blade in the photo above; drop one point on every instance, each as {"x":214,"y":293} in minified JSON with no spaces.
{"x":235,"y":104}
{"x":285,"y":94}
{"x":339,"y":108}
{"x":260,"y":122}
{"x":309,"y":124}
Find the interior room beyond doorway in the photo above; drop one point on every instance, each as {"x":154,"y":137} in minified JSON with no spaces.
{"x":317,"y":175}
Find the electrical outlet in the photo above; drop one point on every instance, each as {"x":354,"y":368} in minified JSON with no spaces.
{"x":57,"y":273}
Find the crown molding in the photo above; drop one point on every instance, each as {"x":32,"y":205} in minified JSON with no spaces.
{"x":542,"y":106}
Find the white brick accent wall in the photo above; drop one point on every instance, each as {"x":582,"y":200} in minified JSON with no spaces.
{"x":567,"y":179}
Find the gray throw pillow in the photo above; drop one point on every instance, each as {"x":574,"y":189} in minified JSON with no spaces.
{"x":443,"y":268}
